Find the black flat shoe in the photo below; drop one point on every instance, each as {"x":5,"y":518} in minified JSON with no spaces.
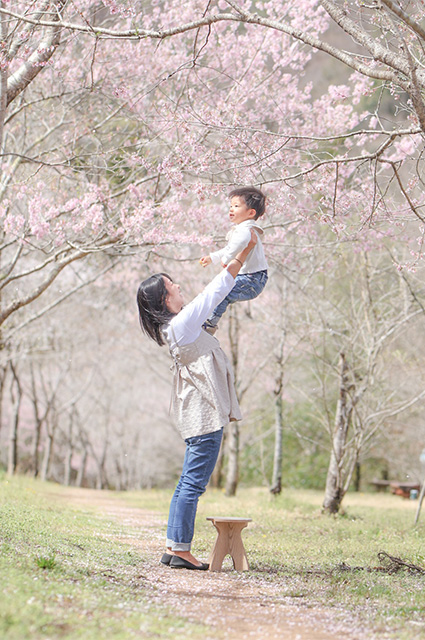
{"x":166,"y":558}
{"x":181,"y":563}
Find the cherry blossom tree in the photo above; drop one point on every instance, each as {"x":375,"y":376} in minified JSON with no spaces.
{"x":123,"y":125}
{"x":225,"y":99}
{"x":171,"y":104}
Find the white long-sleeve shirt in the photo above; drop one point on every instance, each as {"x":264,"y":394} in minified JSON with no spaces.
{"x":203,"y":398}
{"x":186,"y":326}
{"x":238,"y":238}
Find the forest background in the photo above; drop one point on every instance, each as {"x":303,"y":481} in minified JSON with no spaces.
{"x":123,"y":126}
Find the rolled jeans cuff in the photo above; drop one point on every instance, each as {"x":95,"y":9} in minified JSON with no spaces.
{"x":177,"y":546}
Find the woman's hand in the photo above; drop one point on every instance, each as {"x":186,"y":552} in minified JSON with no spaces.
{"x":242,"y":255}
{"x":253,"y":241}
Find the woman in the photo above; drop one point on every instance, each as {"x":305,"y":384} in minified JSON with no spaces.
{"x":203,"y":398}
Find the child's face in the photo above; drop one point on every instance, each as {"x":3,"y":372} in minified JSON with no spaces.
{"x":239,"y":212}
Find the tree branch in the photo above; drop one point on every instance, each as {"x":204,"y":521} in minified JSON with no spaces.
{"x":3,"y":83}
{"x":19,"y":80}
{"x":138,"y":33}
{"x":22,"y":302}
{"x":76,"y":254}
{"x":398,"y":11}
{"x":59,"y":300}
{"x":403,"y":190}
{"x":395,"y":61}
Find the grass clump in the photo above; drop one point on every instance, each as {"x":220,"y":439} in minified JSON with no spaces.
{"x":45,"y":563}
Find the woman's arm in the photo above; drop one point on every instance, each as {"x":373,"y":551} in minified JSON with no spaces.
{"x":188,"y":322}
{"x":239,"y":238}
{"x":236,"y":264}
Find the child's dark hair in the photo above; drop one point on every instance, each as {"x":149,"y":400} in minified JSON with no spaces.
{"x":254,"y":199}
{"x":153,"y":312}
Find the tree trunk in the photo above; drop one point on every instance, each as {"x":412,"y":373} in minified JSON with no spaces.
{"x":101,"y":477}
{"x":51,"y":424}
{"x":120,"y":483}
{"x":3,"y":107}
{"x":233,"y":459}
{"x":276,"y":487}
{"x":47,"y":455}
{"x":81,"y":469}
{"x":37,"y":438}
{"x":12,"y":462}
{"x":3,"y":371}
{"x":357,"y":476}
{"x":68,"y":467}
{"x":334,"y":491}
{"x":421,"y":499}
{"x":233,"y":429}
{"x":4,"y":72}
{"x":69,"y":452}
{"x":216,"y":480}
{"x":38,"y":423}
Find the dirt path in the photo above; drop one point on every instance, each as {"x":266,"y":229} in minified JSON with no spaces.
{"x":234,"y":606}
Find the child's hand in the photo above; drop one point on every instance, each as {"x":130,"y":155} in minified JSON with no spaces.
{"x":205,"y":261}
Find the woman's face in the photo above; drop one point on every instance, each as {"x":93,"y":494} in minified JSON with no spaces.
{"x":174,"y":299}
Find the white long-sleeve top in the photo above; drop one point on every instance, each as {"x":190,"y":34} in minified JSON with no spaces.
{"x":186,"y":326}
{"x":203,"y":396}
{"x":237,"y":239}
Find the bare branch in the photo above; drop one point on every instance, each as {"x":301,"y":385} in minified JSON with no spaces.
{"x":77,"y":254}
{"x":4,"y":276}
{"x":59,"y":300}
{"x":26,"y":32}
{"x":395,"y":61}
{"x":403,"y":190}
{"x":398,"y":11}
{"x":37,"y":291}
{"x":19,"y":80}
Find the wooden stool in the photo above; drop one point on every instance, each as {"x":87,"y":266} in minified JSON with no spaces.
{"x":229,"y":540}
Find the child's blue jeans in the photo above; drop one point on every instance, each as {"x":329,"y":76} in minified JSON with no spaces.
{"x":199,"y":462}
{"x":247,"y":287}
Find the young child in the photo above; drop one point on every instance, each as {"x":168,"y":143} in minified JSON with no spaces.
{"x":247,"y":204}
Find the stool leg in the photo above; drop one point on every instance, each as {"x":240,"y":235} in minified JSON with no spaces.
{"x":221,"y":546}
{"x":237,"y":550}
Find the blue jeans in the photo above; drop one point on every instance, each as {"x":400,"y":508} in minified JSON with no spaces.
{"x":247,"y":287}
{"x":199,"y":462}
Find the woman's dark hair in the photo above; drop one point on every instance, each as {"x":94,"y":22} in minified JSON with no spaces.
{"x":253,"y":197}
{"x":153,"y":312}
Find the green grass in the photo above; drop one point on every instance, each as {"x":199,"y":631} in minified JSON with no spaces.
{"x":67,"y":573}
{"x":293,"y":545}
